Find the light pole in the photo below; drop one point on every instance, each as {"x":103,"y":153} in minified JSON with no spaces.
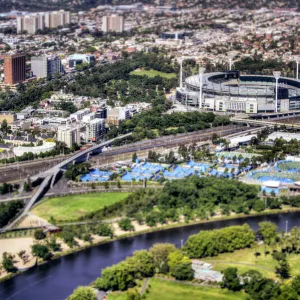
{"x":277,"y":76}
{"x":297,"y":59}
{"x":230,"y":57}
{"x":201,"y":72}
{"x":286,"y":226}
{"x":181,"y":63}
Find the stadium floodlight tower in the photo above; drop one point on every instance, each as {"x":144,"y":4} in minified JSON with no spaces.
{"x":277,"y":76}
{"x":181,"y":79}
{"x":201,"y":72}
{"x":230,"y":57}
{"x":297,"y":59}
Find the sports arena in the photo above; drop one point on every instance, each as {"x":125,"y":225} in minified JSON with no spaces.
{"x":229,"y":91}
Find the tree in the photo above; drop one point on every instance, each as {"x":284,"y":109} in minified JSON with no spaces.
{"x":21,"y":254}
{"x":40,"y":251}
{"x":288,"y":293}
{"x":183,"y":271}
{"x":125,"y":224}
{"x":259,"y":205}
{"x":83,"y":293}
{"x":231,"y":280}
{"x":39,"y":234}
{"x":175,"y":258}
{"x":8,"y":262}
{"x":258,"y":287}
{"x":53,"y":245}
{"x":160,"y":253}
{"x":134,"y":157}
{"x":104,"y":230}
{"x":133,"y":295}
{"x":268,"y":231}
{"x":296,"y":284}
{"x":283,"y":269}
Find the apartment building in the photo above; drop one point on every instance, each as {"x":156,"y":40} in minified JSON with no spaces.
{"x":14,"y":68}
{"x":95,"y":130}
{"x":113,"y":23}
{"x":68,"y":135}
{"x":32,"y":22}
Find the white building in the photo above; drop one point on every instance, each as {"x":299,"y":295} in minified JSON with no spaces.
{"x":117,"y":114}
{"x":78,"y":115}
{"x":89,"y":117}
{"x":68,"y":135}
{"x":46,"y":147}
{"x":95,"y":130}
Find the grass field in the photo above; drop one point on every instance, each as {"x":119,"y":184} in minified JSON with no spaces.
{"x":153,"y":73}
{"x":73,"y":207}
{"x":164,"y":290}
{"x":245,"y":260}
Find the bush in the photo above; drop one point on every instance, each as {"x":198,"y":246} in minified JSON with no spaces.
{"x":39,"y":234}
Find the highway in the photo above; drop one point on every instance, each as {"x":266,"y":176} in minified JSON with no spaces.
{"x":17,"y":172}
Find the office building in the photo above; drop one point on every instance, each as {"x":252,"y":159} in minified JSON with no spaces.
{"x":30,"y":23}
{"x":57,"y":18}
{"x":14,"y":68}
{"x":43,"y":66}
{"x":68,"y":135}
{"x":113,"y":23}
{"x":77,"y":59}
{"x":95,"y":130}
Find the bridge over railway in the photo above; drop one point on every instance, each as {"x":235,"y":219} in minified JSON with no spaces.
{"x":266,"y":122}
{"x":50,"y":176}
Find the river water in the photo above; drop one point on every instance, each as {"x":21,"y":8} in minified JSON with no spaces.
{"x":56,"y":280}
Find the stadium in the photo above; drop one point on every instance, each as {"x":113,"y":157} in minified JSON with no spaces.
{"x":232,"y":92}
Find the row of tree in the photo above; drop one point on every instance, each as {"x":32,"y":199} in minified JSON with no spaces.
{"x":211,"y":243}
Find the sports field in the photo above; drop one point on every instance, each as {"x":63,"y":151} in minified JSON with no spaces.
{"x":75,"y":206}
{"x":164,"y":290}
{"x":153,"y":73}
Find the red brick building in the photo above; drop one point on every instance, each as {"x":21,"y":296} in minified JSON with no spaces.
{"x":14,"y":68}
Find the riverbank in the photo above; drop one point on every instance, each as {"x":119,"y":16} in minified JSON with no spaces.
{"x":143,"y":230}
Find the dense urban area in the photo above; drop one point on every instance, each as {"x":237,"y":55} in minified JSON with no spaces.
{"x":149,"y":150}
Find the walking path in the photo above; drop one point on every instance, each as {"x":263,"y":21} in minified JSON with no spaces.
{"x":145,"y":285}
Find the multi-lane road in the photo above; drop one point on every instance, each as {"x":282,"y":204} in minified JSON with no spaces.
{"x":20,"y":171}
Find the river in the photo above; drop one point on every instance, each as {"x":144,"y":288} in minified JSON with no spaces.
{"x":57,"y":279}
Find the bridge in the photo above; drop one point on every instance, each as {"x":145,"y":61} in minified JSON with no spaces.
{"x":49,"y":177}
{"x":268,"y":122}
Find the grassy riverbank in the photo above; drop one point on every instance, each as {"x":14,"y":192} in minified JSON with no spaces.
{"x":75,"y":206}
{"x":123,"y":235}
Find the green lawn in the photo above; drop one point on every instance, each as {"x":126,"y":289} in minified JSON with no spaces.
{"x":153,"y":73}
{"x":164,"y":290}
{"x":245,"y":260}
{"x":73,"y":207}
